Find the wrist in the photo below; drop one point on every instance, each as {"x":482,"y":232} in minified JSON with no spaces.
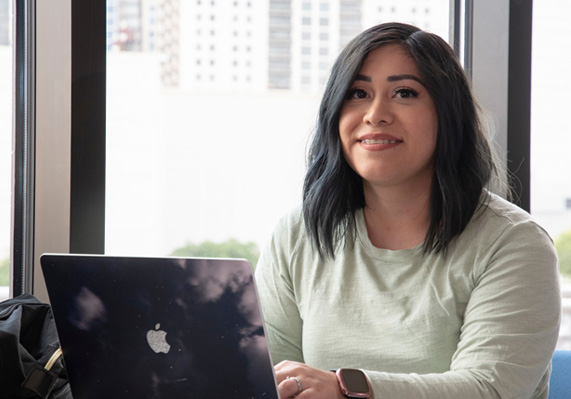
{"x":353,"y":384}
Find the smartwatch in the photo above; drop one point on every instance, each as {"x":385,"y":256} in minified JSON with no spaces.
{"x":354,"y":383}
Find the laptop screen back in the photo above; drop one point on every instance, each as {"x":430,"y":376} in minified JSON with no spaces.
{"x":159,"y":327}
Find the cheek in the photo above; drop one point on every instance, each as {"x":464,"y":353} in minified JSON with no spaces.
{"x":431,"y":137}
{"x":347,"y":124}
{"x":434,"y":132}
{"x":344,"y":131}
{"x":430,"y":125}
{"x":345,"y":138}
{"x":342,"y":123}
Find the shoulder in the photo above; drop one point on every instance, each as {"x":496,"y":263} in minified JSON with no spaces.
{"x":290,"y":228}
{"x":502,"y":232}
{"x":288,"y":237}
{"x":291,"y":220}
{"x":498,"y":217}
{"x":504,"y":209}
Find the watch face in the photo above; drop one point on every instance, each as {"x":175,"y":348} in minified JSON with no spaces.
{"x":355,"y":381}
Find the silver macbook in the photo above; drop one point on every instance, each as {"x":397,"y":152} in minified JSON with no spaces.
{"x":161,"y":328}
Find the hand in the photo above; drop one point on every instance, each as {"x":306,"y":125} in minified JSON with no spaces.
{"x":315,"y":383}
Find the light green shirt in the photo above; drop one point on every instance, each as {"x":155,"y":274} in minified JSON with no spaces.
{"x":481,"y":322}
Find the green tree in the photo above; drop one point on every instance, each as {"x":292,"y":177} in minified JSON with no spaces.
{"x":563,"y":246}
{"x":5,"y":271}
{"x":231,"y":248}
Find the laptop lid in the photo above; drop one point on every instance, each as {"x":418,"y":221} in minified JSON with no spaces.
{"x":134,"y":327}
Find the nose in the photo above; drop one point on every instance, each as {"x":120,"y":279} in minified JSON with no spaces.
{"x":378,"y":113}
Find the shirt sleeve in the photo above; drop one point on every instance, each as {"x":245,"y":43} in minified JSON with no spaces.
{"x":282,"y":319}
{"x":509,"y":331}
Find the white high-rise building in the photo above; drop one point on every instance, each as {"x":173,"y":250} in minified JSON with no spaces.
{"x":307,"y":35}
{"x":429,"y":15}
{"x":318,"y":31}
{"x":223,"y":45}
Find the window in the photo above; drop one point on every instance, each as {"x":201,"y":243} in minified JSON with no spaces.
{"x":183,"y":162}
{"x":551,"y":138}
{"x":5,"y":144}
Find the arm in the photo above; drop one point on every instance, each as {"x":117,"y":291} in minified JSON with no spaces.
{"x":279,"y":307}
{"x":510,"y":327}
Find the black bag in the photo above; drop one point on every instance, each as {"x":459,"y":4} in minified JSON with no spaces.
{"x":31,"y":365}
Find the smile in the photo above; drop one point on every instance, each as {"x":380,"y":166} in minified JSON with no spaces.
{"x":369,"y":141}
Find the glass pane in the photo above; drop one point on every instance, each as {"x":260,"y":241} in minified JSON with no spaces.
{"x":210,"y":106}
{"x":551,"y":137}
{"x":5,"y":143}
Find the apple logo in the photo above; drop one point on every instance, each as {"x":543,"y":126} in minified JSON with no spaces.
{"x":157,"y":340}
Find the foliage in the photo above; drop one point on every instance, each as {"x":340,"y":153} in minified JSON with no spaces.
{"x":231,"y":248}
{"x":563,"y":246}
{"x":5,"y":272}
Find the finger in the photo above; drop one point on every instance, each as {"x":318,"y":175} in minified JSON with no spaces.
{"x":290,"y":387}
{"x":286,"y":368}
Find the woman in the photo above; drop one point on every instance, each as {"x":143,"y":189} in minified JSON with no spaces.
{"x":400,"y":263}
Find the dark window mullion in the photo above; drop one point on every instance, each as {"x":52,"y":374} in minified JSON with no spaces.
{"x":87,"y":217}
{"x":519,"y":101}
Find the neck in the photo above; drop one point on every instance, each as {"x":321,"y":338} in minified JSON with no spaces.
{"x":399,"y":217}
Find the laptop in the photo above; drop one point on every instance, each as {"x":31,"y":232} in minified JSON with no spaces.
{"x":160,"y":328}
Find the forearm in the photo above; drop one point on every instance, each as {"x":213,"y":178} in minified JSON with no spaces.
{"x":451,"y":385}
{"x":464,"y":384}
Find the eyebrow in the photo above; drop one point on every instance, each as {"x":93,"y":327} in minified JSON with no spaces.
{"x":392,"y":78}
{"x":364,"y":78}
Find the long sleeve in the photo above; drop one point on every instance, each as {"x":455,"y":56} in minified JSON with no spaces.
{"x":479,"y":322}
{"x":282,"y":319}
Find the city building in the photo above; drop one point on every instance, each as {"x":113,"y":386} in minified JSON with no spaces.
{"x":255,"y":45}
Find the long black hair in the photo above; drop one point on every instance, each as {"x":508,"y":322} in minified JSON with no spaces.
{"x":463,"y":162}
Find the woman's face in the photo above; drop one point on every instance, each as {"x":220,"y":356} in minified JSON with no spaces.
{"x":388,"y":123}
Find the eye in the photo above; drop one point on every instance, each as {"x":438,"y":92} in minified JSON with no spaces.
{"x":356,"y":94}
{"x":406,"y":93}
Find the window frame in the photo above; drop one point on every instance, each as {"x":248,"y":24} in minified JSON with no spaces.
{"x":24,"y":156}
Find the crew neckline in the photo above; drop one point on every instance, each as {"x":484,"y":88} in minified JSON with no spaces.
{"x":381,"y":253}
